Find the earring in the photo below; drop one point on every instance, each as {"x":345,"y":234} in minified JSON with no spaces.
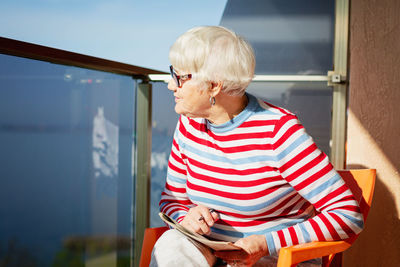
{"x":212,"y":100}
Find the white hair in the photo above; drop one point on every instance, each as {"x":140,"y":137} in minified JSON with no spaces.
{"x":215,"y":54}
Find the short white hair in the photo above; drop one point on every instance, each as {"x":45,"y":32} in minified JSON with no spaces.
{"x":215,"y":54}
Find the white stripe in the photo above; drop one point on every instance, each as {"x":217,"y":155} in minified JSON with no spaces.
{"x":311,"y":231}
{"x":323,"y":228}
{"x":308,"y":173}
{"x":287,"y":237}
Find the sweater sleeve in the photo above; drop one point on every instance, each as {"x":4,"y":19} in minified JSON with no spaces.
{"x":308,"y":171}
{"x":174,"y":200}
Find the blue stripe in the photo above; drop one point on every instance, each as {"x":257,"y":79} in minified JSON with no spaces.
{"x":176,"y":179}
{"x":245,"y":160}
{"x":246,"y":208}
{"x":162,"y":205}
{"x":359,"y":223}
{"x":300,"y":140}
{"x":178,"y":214}
{"x":323,"y":186}
{"x":260,"y":232}
{"x":224,"y":159}
{"x":306,"y":235}
{"x":270,"y":244}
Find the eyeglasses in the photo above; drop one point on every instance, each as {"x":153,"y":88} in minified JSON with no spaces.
{"x":179,"y":78}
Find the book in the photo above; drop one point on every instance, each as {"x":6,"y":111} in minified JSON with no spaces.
{"x":213,"y":244}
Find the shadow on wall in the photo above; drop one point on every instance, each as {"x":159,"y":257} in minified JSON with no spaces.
{"x":381,"y":236}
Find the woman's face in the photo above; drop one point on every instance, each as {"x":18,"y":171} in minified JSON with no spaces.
{"x":190,"y":100}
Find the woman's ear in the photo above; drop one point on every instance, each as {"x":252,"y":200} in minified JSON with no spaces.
{"x":216,"y":88}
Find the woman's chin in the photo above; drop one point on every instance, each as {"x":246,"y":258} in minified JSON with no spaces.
{"x":178,"y":110}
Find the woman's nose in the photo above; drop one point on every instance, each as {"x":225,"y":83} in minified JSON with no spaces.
{"x":171,"y":85}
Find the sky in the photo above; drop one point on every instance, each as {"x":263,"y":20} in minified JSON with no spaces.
{"x":137,"y":32}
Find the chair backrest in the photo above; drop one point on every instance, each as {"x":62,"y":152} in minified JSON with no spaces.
{"x":361,"y":183}
{"x":150,"y":237}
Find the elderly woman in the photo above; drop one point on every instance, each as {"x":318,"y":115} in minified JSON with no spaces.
{"x":241,"y":169}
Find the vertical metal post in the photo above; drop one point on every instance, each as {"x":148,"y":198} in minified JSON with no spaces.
{"x":143,"y":167}
{"x":339,"y":105}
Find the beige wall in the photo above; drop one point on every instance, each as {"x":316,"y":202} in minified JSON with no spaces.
{"x":373,"y":132}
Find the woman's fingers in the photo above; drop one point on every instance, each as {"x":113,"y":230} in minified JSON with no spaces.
{"x":199,"y":219}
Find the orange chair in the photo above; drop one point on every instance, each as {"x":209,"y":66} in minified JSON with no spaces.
{"x":150,"y":237}
{"x":361,"y":183}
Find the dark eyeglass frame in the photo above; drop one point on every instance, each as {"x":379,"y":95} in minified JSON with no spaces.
{"x":179,"y":78}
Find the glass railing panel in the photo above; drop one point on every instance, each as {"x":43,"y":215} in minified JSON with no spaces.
{"x":289,"y":37}
{"x":66,"y":179}
{"x":164,"y":122}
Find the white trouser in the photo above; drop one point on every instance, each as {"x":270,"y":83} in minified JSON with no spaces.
{"x":173,"y":249}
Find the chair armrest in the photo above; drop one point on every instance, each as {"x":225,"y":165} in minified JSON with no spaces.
{"x":289,"y":256}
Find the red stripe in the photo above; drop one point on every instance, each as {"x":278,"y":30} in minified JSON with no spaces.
{"x":253,"y":123}
{"x":317,"y":230}
{"x":293,"y":236}
{"x":240,"y":136}
{"x":355,"y":209}
{"x":231,"y":183}
{"x":330,"y":227}
{"x":284,"y":111}
{"x":289,"y":132}
{"x":257,"y":123}
{"x":298,"y":157}
{"x":282,"y":122}
{"x":231,"y":195}
{"x":231,"y":170}
{"x":180,"y":219}
{"x":248,"y":223}
{"x":175,"y":168}
{"x":183,"y":202}
{"x":347,"y":207}
{"x":308,"y":166}
{"x":202,"y":127}
{"x":232,"y":137}
{"x":177,"y":158}
{"x":175,"y":144}
{"x":172,"y":207}
{"x":172,"y":211}
{"x":175,"y":189}
{"x":233,"y":149}
{"x":282,"y":238}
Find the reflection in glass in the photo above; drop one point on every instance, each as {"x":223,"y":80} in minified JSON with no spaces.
{"x":66,"y":138}
{"x":289,"y":37}
{"x":164,"y":122}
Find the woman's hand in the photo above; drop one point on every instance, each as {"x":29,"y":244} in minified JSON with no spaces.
{"x":199,"y":219}
{"x":253,"y":248}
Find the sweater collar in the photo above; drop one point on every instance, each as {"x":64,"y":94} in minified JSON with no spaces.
{"x":237,"y":120}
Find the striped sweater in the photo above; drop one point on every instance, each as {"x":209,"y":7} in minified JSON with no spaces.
{"x":263,"y":174}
